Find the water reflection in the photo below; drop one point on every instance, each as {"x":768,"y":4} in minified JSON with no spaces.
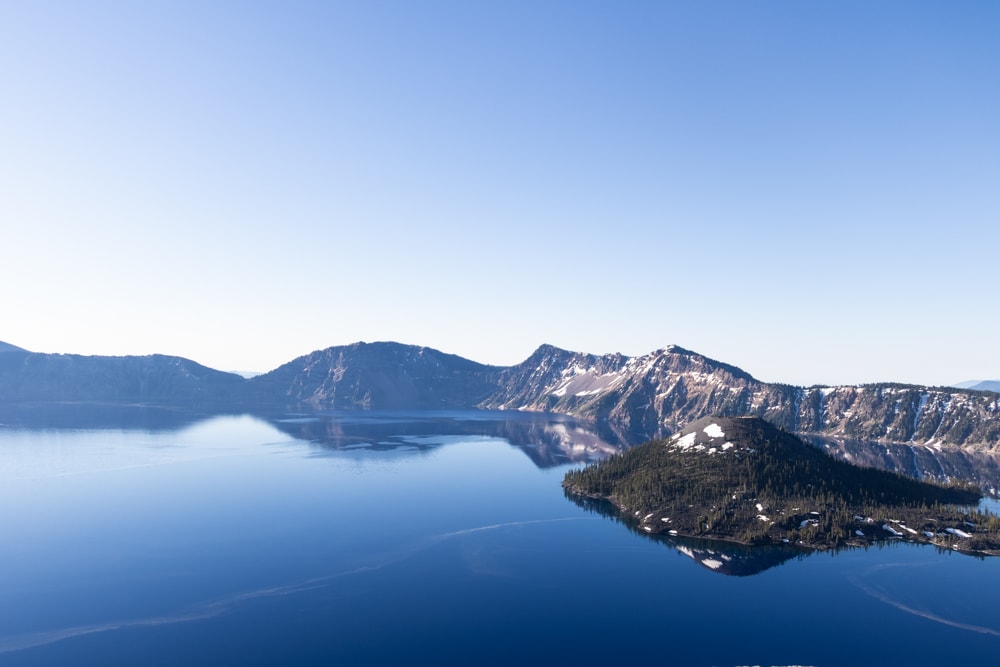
{"x":917,"y":461}
{"x":728,"y":558}
{"x":88,"y":416}
{"x":548,"y":440}
{"x":740,"y":560}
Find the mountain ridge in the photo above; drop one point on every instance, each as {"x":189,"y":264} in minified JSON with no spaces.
{"x":987,"y":385}
{"x":7,"y":347}
{"x":643,"y":397}
{"x":156,"y":378}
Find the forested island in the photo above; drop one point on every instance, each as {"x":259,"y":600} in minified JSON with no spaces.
{"x":745,"y":480}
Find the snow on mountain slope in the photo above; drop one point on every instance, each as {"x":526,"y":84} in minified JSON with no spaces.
{"x":659,"y":393}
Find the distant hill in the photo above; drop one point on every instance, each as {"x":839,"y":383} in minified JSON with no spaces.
{"x":154,"y":379}
{"x":7,"y":347}
{"x":987,"y":385}
{"x":745,"y":480}
{"x":379,"y":376}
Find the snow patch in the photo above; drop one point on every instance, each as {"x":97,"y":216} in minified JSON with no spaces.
{"x":712,"y":563}
{"x":686,"y":441}
{"x":714,"y":431}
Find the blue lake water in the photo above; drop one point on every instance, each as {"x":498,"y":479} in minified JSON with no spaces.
{"x":424,"y":538}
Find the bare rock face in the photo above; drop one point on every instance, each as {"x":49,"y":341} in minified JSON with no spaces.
{"x":657,"y":394}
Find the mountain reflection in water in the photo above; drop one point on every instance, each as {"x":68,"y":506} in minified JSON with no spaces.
{"x":548,"y":440}
{"x":397,"y":538}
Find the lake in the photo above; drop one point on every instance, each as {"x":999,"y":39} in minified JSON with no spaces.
{"x":157,"y":538}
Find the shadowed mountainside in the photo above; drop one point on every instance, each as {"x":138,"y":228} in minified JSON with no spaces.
{"x":33,"y":377}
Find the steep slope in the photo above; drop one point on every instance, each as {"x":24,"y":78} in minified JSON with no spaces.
{"x":557,"y":380}
{"x":650,"y":394}
{"x":380,"y":376}
{"x":659,"y":393}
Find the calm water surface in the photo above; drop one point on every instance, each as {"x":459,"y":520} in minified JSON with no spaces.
{"x":430,"y":538}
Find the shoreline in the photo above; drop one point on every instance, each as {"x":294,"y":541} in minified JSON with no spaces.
{"x":880,"y":530}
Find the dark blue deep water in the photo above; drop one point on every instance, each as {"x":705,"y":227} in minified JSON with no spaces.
{"x":424,"y":538}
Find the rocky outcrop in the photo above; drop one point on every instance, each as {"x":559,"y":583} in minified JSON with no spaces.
{"x":659,"y":393}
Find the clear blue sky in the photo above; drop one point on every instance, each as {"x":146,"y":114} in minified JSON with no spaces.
{"x":808,"y":190}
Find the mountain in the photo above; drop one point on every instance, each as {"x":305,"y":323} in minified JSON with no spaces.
{"x":378,"y":375}
{"x":7,"y":347}
{"x":745,"y":480}
{"x":987,"y":385}
{"x":658,"y":393}
{"x":34,"y":377}
{"x":645,"y":395}
{"x":637,"y":398}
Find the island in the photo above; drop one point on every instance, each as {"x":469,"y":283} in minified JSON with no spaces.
{"x":745,"y":480}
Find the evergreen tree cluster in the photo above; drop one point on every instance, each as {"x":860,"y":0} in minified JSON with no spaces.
{"x":770,"y":486}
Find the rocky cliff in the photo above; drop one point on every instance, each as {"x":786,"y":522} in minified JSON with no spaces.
{"x":659,"y":393}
